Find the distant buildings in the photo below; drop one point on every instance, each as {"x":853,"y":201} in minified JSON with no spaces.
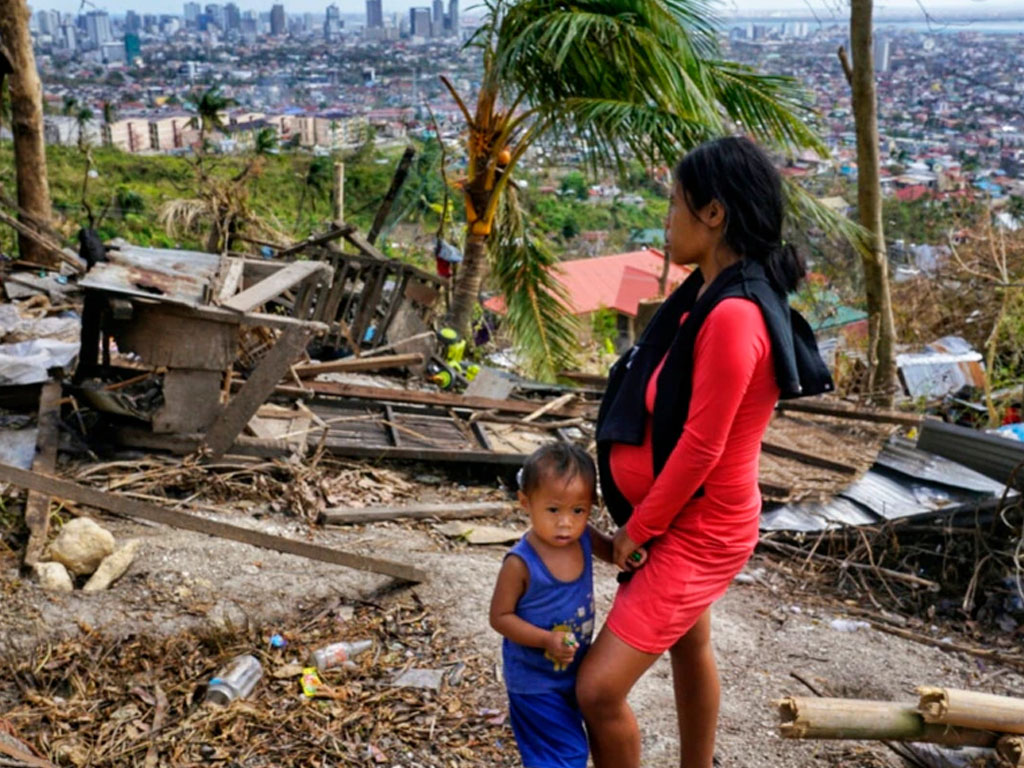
{"x":419,"y":22}
{"x":332,"y":23}
{"x":97,"y":28}
{"x":374,"y":14}
{"x":881,"y":54}
{"x":277,"y":21}
{"x":192,"y":11}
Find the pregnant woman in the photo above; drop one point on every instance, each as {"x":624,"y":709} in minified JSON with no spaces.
{"x":679,"y":438}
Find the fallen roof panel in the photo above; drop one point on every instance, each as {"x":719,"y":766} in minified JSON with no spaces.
{"x":180,"y":277}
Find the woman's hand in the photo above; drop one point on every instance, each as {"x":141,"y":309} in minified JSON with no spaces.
{"x":622,"y":548}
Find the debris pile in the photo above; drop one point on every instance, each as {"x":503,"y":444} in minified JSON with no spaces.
{"x":102,"y":702}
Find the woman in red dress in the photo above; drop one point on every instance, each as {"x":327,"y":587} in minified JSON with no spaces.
{"x":679,"y":439}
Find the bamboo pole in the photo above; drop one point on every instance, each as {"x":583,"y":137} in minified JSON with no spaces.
{"x":823,"y":718}
{"x":971,"y":709}
{"x":1011,"y":749}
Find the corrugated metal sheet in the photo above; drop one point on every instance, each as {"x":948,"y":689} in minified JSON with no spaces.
{"x":993,"y":456}
{"x":948,"y":366}
{"x":180,"y":277}
{"x":904,"y":482}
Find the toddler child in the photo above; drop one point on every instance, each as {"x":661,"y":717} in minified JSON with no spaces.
{"x":543,"y":604}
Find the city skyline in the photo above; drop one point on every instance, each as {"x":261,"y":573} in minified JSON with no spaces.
{"x":725,"y":8}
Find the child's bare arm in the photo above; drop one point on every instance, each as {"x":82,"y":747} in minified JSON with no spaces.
{"x":513,"y":580}
{"x":601,"y":543}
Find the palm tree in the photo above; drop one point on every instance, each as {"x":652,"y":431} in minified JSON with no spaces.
{"x":82,"y":118}
{"x":208,"y":106}
{"x":623,"y":77}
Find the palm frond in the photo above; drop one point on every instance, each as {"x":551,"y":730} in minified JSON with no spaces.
{"x":807,"y":212}
{"x":542,"y":331}
{"x":184,"y":216}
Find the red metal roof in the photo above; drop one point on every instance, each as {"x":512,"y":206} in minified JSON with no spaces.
{"x":619,"y":282}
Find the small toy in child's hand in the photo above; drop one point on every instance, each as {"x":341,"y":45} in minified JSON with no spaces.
{"x":570,"y":640}
{"x":637,"y":556}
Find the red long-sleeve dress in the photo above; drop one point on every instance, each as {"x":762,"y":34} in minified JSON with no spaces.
{"x":696,"y":546}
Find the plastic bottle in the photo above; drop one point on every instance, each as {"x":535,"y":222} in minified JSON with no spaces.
{"x":235,"y":681}
{"x":338,"y":653}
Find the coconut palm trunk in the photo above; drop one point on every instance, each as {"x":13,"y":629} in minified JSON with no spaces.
{"x":27,"y":127}
{"x":471,"y":274}
{"x":882,"y":328}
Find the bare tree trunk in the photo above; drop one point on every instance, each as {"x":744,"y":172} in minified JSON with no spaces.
{"x":869,"y":202}
{"x":467,"y":288}
{"x":27,"y":126}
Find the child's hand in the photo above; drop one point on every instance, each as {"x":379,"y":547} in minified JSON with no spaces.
{"x":636,"y":560}
{"x":561,"y":647}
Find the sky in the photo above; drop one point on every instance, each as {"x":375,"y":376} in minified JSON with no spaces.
{"x":727,"y":7}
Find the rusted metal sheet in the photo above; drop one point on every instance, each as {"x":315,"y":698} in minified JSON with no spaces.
{"x":179,"y":277}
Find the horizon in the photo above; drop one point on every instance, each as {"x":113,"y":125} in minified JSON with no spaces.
{"x":726,"y":9}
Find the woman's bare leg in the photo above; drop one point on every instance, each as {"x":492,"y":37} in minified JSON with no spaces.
{"x":695,"y":679}
{"x":606,"y":676}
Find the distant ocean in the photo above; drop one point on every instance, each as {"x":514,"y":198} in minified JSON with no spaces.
{"x":939,"y":27}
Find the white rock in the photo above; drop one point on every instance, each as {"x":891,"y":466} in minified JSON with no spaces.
{"x":81,"y":545}
{"x":53,"y":577}
{"x":113,"y":567}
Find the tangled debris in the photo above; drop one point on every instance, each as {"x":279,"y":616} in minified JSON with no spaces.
{"x":97,"y":701}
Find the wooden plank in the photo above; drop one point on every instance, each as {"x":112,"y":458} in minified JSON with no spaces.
{"x":112,"y":502}
{"x":458,"y":511}
{"x":367,"y":311}
{"x":184,"y":445}
{"x":548,"y":407}
{"x":367,"y":248}
{"x":803,"y":457}
{"x":37,"y":505}
{"x":358,"y":449}
{"x":257,"y":388}
{"x":164,"y":337}
{"x":310,"y":242}
{"x":273,"y":286}
{"x":342,"y":389}
{"x":389,"y":414}
{"x":231,"y":279}
{"x":822,"y":408}
{"x":352,"y":364}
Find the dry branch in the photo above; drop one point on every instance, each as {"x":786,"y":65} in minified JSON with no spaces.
{"x":971,"y":709}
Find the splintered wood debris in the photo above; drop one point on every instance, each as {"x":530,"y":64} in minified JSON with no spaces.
{"x":107,"y":702}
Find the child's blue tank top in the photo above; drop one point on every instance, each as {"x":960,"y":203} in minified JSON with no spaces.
{"x":552,"y":604}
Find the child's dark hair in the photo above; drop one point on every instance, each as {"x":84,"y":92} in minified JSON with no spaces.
{"x":562,"y":460}
{"x":738,"y":174}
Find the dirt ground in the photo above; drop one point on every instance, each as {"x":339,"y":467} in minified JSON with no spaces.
{"x":763,"y":631}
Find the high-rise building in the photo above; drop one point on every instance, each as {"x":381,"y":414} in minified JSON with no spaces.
{"x":419,"y":22}
{"x":132,"y":22}
{"x":332,"y":23}
{"x":68,"y":37}
{"x":215,"y":15}
{"x":132,"y":47}
{"x":47,"y":22}
{"x":97,"y":28}
{"x":374,"y":14}
{"x":232,"y":17}
{"x":881,"y":54}
{"x":453,"y":17}
{"x":277,"y":24}
{"x":192,"y":15}
{"x":437,"y":19}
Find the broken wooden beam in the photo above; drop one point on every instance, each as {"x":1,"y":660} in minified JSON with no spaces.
{"x":550,"y":406}
{"x":271,"y":287}
{"x":256,"y":389}
{"x":37,"y":505}
{"x":822,"y":408}
{"x":811,"y":459}
{"x":354,"y":364}
{"x":112,"y":502}
{"x":389,"y":199}
{"x":971,"y":709}
{"x":314,"y":240}
{"x":460,"y":511}
{"x":825,"y":718}
{"x":384,"y":394}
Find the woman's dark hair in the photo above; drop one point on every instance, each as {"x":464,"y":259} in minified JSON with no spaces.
{"x":738,"y":174}
{"x":561,"y":460}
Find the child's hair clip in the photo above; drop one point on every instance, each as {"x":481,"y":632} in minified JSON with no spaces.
{"x":519,"y":479}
